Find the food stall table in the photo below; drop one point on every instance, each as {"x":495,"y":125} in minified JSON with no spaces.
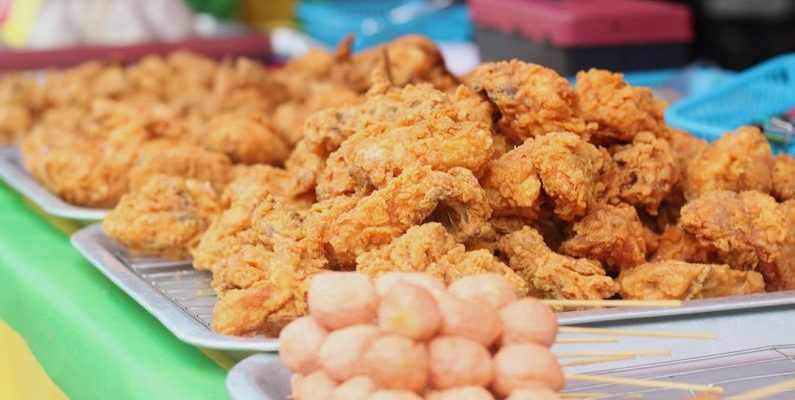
{"x":92,"y":340}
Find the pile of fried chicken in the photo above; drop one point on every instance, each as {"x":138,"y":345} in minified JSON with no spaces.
{"x":382,"y":161}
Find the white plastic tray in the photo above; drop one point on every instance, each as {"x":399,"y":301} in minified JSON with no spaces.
{"x":15,"y":175}
{"x":172,"y":291}
{"x":264,"y":377}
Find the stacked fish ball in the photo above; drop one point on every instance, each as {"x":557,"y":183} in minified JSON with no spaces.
{"x":407,"y":336}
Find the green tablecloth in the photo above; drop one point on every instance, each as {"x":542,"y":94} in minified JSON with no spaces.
{"x":93,"y":340}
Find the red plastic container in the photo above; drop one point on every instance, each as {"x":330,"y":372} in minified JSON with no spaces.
{"x":570,"y":35}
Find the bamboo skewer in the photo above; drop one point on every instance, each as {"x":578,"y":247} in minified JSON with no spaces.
{"x":611,"y":303}
{"x":630,"y":332}
{"x":580,"y":395}
{"x":644,"y":383}
{"x":637,"y":353}
{"x":604,"y":339}
{"x":766,"y":391}
{"x":596,"y":360}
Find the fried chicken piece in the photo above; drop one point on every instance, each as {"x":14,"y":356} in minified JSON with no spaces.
{"x":784,"y":178}
{"x":81,"y":171}
{"x":277,"y":181}
{"x":171,"y":157}
{"x":349,"y":226}
{"x":788,"y":207}
{"x":165,"y":217}
{"x":532,"y":100}
{"x":267,"y":305}
{"x":254,"y":218}
{"x":431,"y":249}
{"x":738,"y":161}
{"x":678,"y":280}
{"x":677,"y":245}
{"x":621,"y":111}
{"x":410,"y":59}
{"x":289,"y":117}
{"x":560,"y":163}
{"x":553,"y":275}
{"x":643,"y":174}
{"x":247,"y":138}
{"x":612,"y":235}
{"x":746,"y":231}
{"x":685,"y":148}
{"x":432,"y":128}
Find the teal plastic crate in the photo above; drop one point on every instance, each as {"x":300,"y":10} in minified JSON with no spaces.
{"x":374,"y":22}
{"x":765,"y":90}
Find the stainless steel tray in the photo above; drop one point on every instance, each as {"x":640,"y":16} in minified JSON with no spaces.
{"x":15,"y":175}
{"x":181,"y":298}
{"x":264,"y":377}
{"x":172,"y":291}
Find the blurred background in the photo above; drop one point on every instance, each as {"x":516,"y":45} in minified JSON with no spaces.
{"x":677,"y":47}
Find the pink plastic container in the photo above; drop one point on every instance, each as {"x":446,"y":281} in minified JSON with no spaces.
{"x":575,"y":34}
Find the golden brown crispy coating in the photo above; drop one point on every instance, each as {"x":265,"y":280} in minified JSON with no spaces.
{"x":552,"y":275}
{"x":79,"y":170}
{"x":254,"y":218}
{"x":621,"y":111}
{"x":165,"y":217}
{"x":738,"y":161}
{"x":676,"y":244}
{"x":643,"y":173}
{"x":18,"y":106}
{"x":430,"y":248}
{"x":289,"y":117}
{"x":746,"y":231}
{"x":349,"y":226}
{"x":277,"y":181}
{"x":561,"y":163}
{"x":668,"y":280}
{"x":269,"y":304}
{"x":612,"y":235}
{"x":164,"y":156}
{"x":248,"y":138}
{"x":410,"y":59}
{"x":784,"y":178}
{"x":431,"y":128}
{"x":532,"y":100}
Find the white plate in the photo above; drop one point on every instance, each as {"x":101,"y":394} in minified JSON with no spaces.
{"x":264,"y":377}
{"x":15,"y":175}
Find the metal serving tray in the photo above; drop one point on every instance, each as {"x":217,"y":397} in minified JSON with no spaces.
{"x":181,"y":298}
{"x":172,"y":291}
{"x":264,"y":377}
{"x":15,"y":175}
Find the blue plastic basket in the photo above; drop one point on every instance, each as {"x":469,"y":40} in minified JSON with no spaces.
{"x":374,"y":22}
{"x":765,"y":90}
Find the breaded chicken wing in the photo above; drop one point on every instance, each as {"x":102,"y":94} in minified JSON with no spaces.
{"x":254,"y":218}
{"x":612,"y":235}
{"x":431,"y":249}
{"x":564,"y":166}
{"x":531,"y":99}
{"x":738,"y":161}
{"x":668,"y":280}
{"x":248,"y":138}
{"x":79,"y":170}
{"x":349,"y":226}
{"x":784,"y":178}
{"x":432,"y":128}
{"x":552,"y":275}
{"x":620,"y":111}
{"x":746,"y":231}
{"x":676,"y":244}
{"x":643,"y":172}
{"x":166,"y":217}
{"x":171,"y":157}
